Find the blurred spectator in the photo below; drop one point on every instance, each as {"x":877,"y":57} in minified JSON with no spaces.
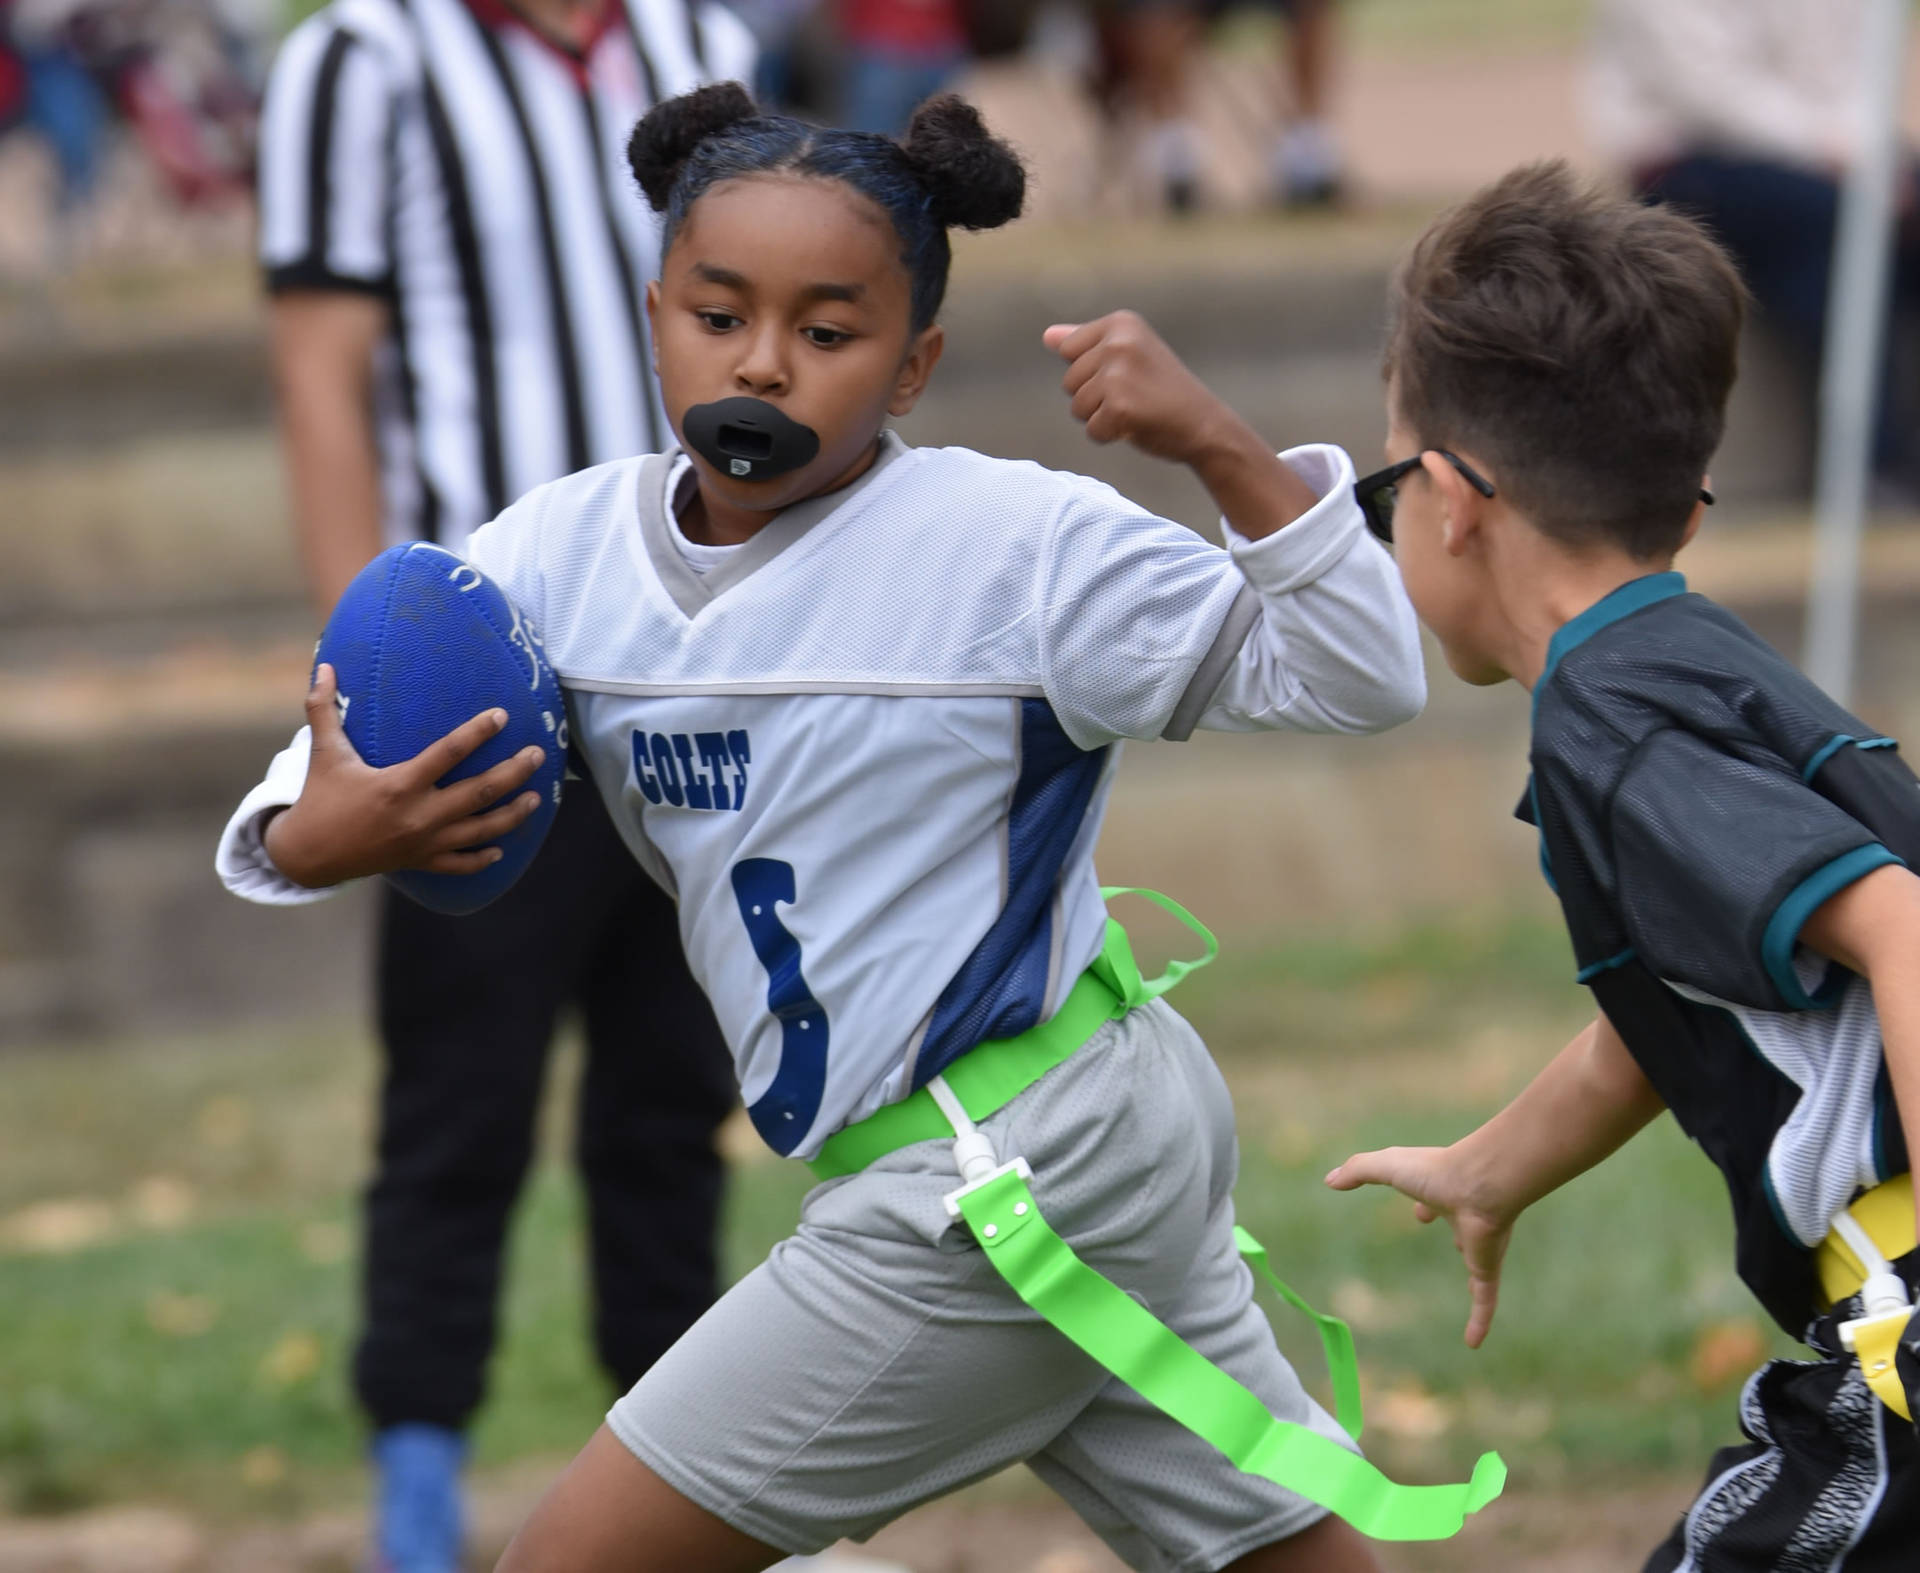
{"x":1746,"y":114}
{"x":1147,"y":49}
{"x":781,"y":78}
{"x":13,"y":81}
{"x":1145,"y":54}
{"x":56,"y":95}
{"x":898,"y":52}
{"x":183,"y":75}
{"x":1306,"y":169}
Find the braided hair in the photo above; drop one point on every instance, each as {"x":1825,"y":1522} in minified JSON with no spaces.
{"x":949,"y":171}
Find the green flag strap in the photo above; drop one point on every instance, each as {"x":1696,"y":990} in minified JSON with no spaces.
{"x":996,"y":1072}
{"x":1115,"y":961}
{"x":1146,"y":1354}
{"x":1336,"y":1338}
{"x":1117,"y":1331}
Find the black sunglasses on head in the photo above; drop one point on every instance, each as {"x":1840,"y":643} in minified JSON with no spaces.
{"x":1376,"y":493}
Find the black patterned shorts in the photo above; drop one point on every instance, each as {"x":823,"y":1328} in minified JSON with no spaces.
{"x":1828,"y":1482}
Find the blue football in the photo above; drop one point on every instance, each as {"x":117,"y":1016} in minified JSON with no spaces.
{"x":421,"y":642}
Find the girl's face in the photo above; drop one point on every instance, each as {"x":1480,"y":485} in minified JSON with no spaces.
{"x":790,"y":289}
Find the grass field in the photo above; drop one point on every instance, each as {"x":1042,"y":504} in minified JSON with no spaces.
{"x":176,"y":1239}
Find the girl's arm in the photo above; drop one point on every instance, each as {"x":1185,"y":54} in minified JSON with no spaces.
{"x":1125,"y":382}
{"x":323,"y":815}
{"x":338,"y":818}
{"x":1583,"y":1107}
{"x":1321,"y":637}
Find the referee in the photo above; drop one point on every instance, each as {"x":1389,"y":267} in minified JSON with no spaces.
{"x":456,"y":261}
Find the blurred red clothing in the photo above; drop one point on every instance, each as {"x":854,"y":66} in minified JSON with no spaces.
{"x":13,"y":87}
{"x":904,"y":27}
{"x":13,"y":75}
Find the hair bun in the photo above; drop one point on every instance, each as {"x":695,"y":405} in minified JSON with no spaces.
{"x":669,"y":132}
{"x":973,"y":179}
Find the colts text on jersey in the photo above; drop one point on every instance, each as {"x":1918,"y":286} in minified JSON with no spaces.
{"x":693,"y":770}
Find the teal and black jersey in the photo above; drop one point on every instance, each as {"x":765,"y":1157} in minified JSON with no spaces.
{"x":1697,"y":799}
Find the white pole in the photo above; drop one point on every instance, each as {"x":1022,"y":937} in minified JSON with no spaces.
{"x":1850,"y":365}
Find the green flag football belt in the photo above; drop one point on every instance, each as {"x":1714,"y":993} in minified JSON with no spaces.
{"x":996,"y":1201}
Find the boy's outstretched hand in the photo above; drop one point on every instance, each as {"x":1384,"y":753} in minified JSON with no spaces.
{"x":1125,"y":383}
{"x":1581,"y":1107}
{"x":1427,"y":1175}
{"x":353,"y":820}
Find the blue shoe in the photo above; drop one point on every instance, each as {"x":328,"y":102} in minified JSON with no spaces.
{"x":417,"y":1518}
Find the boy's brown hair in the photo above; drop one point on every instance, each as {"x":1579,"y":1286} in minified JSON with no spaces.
{"x":1583,"y":344}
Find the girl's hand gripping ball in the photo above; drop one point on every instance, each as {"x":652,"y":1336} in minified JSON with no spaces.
{"x":432,"y":704}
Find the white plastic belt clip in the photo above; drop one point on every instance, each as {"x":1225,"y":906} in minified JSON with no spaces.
{"x":973,"y":1153}
{"x":1884,"y":1294}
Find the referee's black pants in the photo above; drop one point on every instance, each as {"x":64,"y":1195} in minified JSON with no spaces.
{"x":467,"y":1007}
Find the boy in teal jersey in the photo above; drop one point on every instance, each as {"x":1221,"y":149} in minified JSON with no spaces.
{"x":1730,"y":848}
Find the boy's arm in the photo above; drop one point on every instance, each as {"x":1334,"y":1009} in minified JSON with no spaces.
{"x":1873,"y":927}
{"x":1584,"y":1106}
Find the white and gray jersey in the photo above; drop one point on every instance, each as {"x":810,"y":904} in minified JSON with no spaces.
{"x":441,"y":156}
{"x":870,"y":750}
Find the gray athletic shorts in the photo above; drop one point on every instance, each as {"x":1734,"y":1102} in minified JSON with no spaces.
{"x":876,"y":1360}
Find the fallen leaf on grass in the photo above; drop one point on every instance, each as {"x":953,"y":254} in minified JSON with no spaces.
{"x":295,"y":1358}
{"x":1408,"y":1411}
{"x":55,"y":1228}
{"x":103,"y":1540}
{"x":180,"y":1315}
{"x":1290,"y":1144}
{"x":1725,"y":1351}
{"x":1656,"y":1384}
{"x":1365,"y":1309}
{"x":161,"y":1201}
{"x":225,"y":1122}
{"x":1390,"y":1000}
{"x":325,"y":1243}
{"x":1508,"y":1415}
{"x":1393,"y":1216}
{"x":262,"y":1467}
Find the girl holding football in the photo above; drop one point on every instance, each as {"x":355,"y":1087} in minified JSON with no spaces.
{"x":858,"y":705}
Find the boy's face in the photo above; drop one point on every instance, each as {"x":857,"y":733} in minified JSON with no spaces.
{"x":789,"y":289}
{"x":1444,"y":575}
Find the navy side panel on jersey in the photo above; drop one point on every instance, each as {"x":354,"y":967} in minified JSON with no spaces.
{"x":1002,"y":987}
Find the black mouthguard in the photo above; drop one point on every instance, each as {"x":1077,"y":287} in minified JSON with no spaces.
{"x":748,"y":439}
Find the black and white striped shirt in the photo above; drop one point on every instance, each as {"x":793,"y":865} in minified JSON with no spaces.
{"x":441,"y":155}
